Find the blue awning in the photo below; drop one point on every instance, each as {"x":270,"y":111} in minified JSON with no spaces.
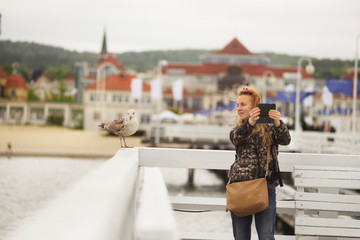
{"x":290,"y":96}
{"x":344,"y":86}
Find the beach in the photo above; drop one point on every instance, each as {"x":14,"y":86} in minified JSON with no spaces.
{"x":30,"y":140}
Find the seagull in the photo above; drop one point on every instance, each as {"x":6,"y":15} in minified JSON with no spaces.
{"x":122,"y":126}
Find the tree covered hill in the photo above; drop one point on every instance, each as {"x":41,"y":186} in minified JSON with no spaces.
{"x":34,"y":58}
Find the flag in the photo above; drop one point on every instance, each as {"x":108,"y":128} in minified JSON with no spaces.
{"x":177,"y":90}
{"x":327,"y":96}
{"x":136,"y":88}
{"x":155,"y":89}
{"x":289,"y":88}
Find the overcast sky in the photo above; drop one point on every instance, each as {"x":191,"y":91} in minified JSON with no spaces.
{"x":319,"y":28}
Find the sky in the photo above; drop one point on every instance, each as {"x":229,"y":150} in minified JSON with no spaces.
{"x":317,"y":28}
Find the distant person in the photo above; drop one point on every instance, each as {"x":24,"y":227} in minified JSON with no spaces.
{"x":251,"y":142}
{"x":9,"y":149}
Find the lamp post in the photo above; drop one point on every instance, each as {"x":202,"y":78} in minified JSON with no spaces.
{"x":355,"y":85}
{"x":270,"y":74}
{"x":310,"y":70}
{"x":160,"y":100}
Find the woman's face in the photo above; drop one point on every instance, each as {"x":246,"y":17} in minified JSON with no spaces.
{"x":244,"y":106}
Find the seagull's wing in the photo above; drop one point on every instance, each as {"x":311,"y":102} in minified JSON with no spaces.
{"x":115,"y":125}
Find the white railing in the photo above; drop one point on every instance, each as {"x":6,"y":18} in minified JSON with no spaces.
{"x":100,"y":206}
{"x":317,"y":142}
{"x":126,"y":198}
{"x":155,"y":220}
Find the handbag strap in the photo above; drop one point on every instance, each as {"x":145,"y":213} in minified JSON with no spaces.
{"x":267,"y":164}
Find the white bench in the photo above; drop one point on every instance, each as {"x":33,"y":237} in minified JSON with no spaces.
{"x":324,"y":207}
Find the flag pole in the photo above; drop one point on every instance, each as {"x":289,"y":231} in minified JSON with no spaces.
{"x":355,"y":86}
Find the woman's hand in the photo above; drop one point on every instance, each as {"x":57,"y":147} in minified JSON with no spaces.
{"x":275,"y":115}
{"x":254,"y":116}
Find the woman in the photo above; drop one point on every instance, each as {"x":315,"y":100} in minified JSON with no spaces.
{"x":251,"y":141}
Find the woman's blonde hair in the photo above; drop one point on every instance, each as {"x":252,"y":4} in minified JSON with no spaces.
{"x":261,"y":129}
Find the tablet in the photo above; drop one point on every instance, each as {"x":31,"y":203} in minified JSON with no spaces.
{"x":264,"y":113}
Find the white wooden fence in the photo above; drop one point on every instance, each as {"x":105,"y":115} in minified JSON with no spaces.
{"x":126,"y":198}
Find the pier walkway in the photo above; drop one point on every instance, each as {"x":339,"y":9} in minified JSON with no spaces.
{"x":127,"y":199}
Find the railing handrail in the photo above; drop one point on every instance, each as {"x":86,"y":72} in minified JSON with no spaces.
{"x":222,"y":159}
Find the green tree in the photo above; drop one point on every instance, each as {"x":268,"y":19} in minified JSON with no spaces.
{"x":32,"y":96}
{"x":58,"y":73}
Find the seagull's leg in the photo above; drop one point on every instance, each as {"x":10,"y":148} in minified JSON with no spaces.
{"x":121,"y":146}
{"x":125,"y":144}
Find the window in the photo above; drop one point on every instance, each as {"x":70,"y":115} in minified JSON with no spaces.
{"x":199,"y":80}
{"x":214,"y":81}
{"x":145,"y":118}
{"x":36,"y":113}
{"x":97,"y":115}
{"x":146,"y":100}
{"x":117,"y":98}
{"x":93,"y":97}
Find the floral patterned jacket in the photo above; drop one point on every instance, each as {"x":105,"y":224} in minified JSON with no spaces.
{"x":250,"y":158}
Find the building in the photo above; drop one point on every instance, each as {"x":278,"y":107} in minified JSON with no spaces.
{"x":3,"y":77}
{"x":42,"y":88}
{"x":16,"y":88}
{"x":108,"y":95}
{"x":114,"y":100}
{"x":210,"y":81}
{"x":339,"y":114}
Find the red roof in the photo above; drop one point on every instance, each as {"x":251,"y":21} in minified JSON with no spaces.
{"x":196,"y":69}
{"x":188,"y":68}
{"x":2,"y":73}
{"x":216,"y":68}
{"x":211,"y":68}
{"x":197,"y":94}
{"x":15,"y":81}
{"x":111,"y":59}
{"x":234,"y":47}
{"x":69,"y":79}
{"x":116,"y":82}
{"x":350,"y":75}
{"x":279,"y":71}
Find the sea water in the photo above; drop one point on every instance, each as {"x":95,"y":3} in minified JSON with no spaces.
{"x":28,"y":183}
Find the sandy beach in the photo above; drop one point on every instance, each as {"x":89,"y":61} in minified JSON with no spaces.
{"x":30,"y":140}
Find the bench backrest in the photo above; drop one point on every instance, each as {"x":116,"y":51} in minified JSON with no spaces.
{"x":323,"y":195}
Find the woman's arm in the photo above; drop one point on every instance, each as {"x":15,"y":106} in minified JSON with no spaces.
{"x":239,"y":133}
{"x":281,"y":134}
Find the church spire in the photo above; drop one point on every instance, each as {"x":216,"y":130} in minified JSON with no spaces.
{"x":104,"y":47}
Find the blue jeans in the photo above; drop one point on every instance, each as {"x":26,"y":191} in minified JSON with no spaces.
{"x":264,"y":221}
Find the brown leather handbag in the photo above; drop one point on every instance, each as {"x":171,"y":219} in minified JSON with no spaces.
{"x":248,"y":197}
